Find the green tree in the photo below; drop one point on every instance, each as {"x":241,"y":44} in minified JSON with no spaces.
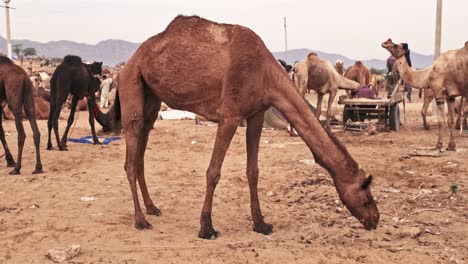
{"x":17,"y":49}
{"x":29,"y":52}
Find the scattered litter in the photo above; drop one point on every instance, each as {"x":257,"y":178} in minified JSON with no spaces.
{"x":425,"y":153}
{"x":270,"y":193}
{"x":450,"y":165}
{"x":87,"y":199}
{"x":424,"y":192}
{"x":62,"y":254}
{"x":194,"y":142}
{"x":410,"y":172}
{"x":266,"y":141}
{"x":391,"y":190}
{"x":307,"y":161}
{"x":34,"y":206}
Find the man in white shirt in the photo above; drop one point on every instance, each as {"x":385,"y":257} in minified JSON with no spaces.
{"x":105,"y":88}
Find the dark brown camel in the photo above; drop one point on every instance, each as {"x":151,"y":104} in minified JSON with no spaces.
{"x":226,"y":74}
{"x":16,"y":90}
{"x":75,"y":77}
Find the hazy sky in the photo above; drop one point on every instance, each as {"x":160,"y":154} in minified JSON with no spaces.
{"x":354,"y":28}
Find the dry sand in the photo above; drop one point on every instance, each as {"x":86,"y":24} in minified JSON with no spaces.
{"x":419,"y":222}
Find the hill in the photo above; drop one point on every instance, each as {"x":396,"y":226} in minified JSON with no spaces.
{"x":114,"y":51}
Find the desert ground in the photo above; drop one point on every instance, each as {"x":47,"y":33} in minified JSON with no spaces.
{"x":422,"y":219}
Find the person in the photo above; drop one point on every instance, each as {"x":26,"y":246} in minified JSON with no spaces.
{"x":366,"y":92}
{"x":105,"y":88}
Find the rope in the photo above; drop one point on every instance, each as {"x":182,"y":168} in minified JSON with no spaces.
{"x":74,"y":124}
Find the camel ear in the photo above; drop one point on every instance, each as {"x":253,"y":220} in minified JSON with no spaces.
{"x":366,"y":183}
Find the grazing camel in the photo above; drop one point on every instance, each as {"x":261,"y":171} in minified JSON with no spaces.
{"x":16,"y":90}
{"x":319,"y":75}
{"x":75,"y":77}
{"x":226,"y":74}
{"x":446,"y":78}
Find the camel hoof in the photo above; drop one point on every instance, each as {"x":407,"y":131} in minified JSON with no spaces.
{"x":439,"y":146}
{"x":153,"y":210}
{"x":49,"y":147}
{"x":63,"y":148}
{"x":97,"y":143}
{"x":426,"y":127}
{"x":263,"y":228}
{"x":143,"y":224}
{"x":37,"y":171}
{"x":15,"y":171}
{"x":208,"y":233}
{"x":452,"y":146}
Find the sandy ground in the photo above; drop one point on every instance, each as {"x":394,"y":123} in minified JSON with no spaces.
{"x":421,"y":222}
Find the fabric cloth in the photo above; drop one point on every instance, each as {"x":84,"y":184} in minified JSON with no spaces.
{"x":105,"y":88}
{"x":365,"y":92}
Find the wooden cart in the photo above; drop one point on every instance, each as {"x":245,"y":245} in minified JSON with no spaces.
{"x":387,"y":111}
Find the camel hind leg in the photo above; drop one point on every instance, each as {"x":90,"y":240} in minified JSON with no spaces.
{"x":29,"y":108}
{"x":8,"y":156}
{"x":71,"y":119}
{"x":150,"y":112}
{"x":132,"y":101}
{"x":17,"y":112}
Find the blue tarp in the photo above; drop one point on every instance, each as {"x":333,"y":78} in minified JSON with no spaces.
{"x":89,"y":140}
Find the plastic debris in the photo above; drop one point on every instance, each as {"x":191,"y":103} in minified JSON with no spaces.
{"x":62,"y":254}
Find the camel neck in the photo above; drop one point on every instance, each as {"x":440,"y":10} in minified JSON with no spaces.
{"x":347,"y":84}
{"x":327,"y":150}
{"x":415,"y":78}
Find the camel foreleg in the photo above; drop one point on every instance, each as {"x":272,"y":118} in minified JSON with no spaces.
{"x":227,"y":127}
{"x":254,"y":131}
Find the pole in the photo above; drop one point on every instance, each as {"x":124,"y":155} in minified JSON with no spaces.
{"x":8,"y":33}
{"x":438,"y":36}
{"x":285,"y":41}
{"x":438,"y":41}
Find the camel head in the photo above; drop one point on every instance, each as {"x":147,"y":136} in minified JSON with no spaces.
{"x":357,"y":197}
{"x":95,"y":68}
{"x":339,"y":66}
{"x":397,"y":50}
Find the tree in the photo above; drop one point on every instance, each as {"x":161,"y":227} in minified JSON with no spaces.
{"x":29,"y":52}
{"x":17,"y":49}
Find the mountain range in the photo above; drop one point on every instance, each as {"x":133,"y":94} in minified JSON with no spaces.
{"x":114,"y":51}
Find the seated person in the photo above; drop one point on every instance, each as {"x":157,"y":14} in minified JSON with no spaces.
{"x":366,"y":92}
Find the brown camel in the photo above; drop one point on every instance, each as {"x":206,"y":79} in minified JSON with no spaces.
{"x":359,"y":73}
{"x":16,"y":91}
{"x":339,"y":67}
{"x":75,"y":77}
{"x":41,"y":107}
{"x":226,"y":74}
{"x":319,"y":75}
{"x":446,"y":78}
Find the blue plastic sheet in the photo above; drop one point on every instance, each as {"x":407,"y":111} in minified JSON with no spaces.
{"x":89,"y":140}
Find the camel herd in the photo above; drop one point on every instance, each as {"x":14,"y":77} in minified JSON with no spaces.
{"x":226,"y":74}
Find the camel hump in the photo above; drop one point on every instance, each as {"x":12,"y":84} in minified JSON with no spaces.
{"x":358,"y":63}
{"x":185,"y":20}
{"x":312,"y":56}
{"x":5,"y":60}
{"x":72,"y":59}
{"x":466,"y":45}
